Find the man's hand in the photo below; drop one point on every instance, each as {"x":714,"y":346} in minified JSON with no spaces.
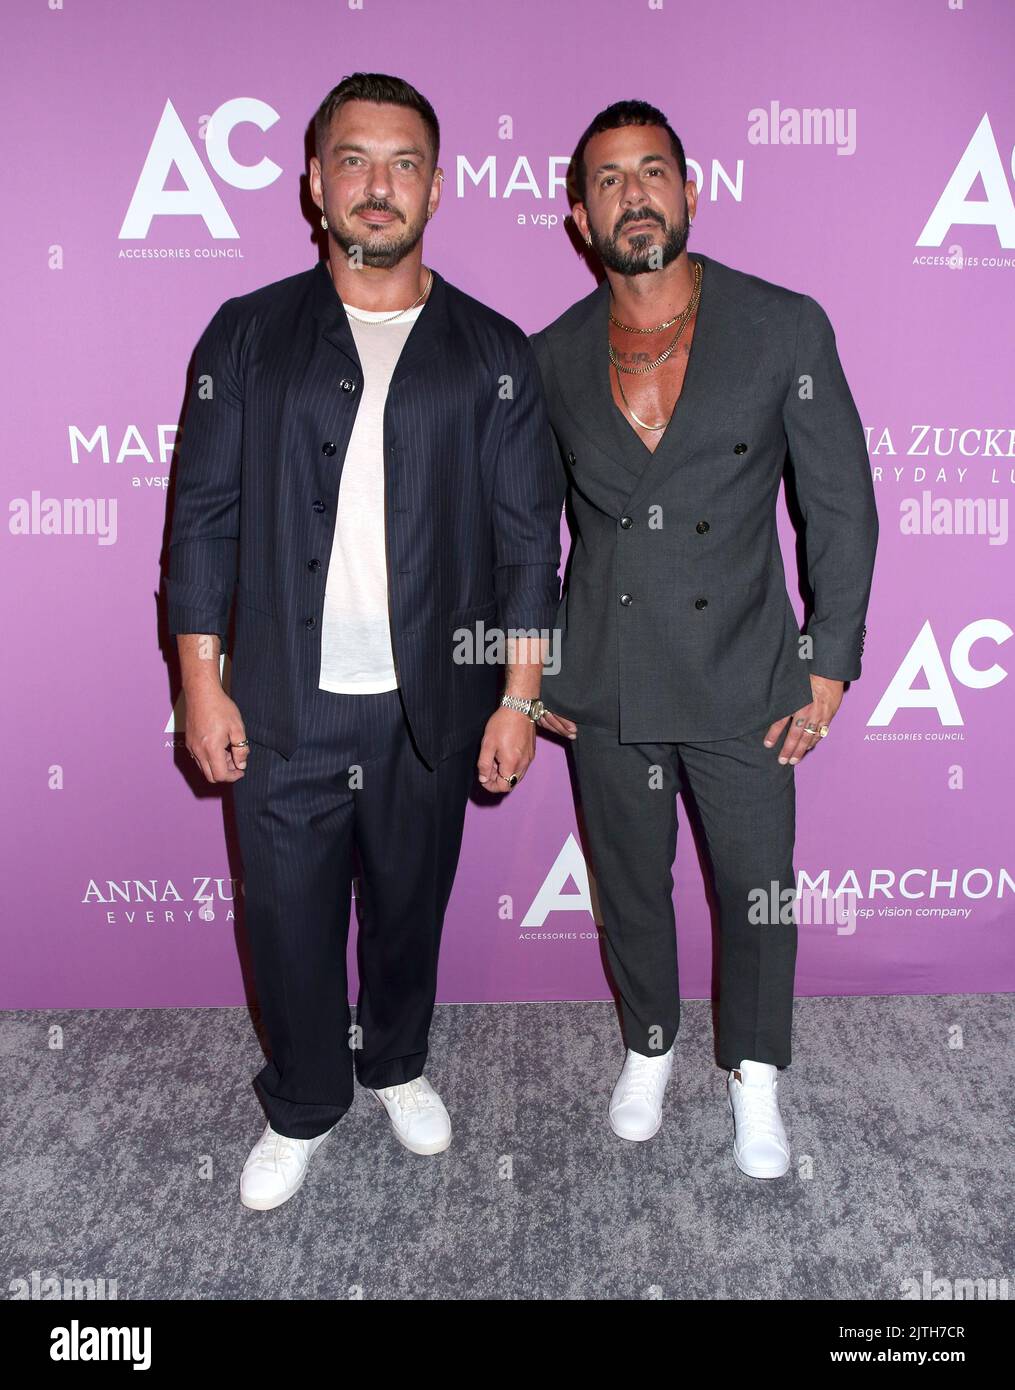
{"x":214,"y":722}
{"x":509,"y":745}
{"x":827,"y":699}
{"x":557,"y":724}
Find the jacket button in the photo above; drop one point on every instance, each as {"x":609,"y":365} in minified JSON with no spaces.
{"x":740,"y":448}
{"x":626,"y":600}
{"x":313,"y":564}
{"x":310,"y":622}
{"x":328,"y":448}
{"x":701,"y":603}
{"x":626,"y":523}
{"x":701,"y":527}
{"x":318,"y":505}
{"x":571,"y":457}
{"x":347,"y":385}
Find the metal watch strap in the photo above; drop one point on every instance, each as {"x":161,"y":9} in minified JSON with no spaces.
{"x":515,"y":702}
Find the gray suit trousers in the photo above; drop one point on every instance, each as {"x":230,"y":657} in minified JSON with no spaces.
{"x":747,"y":805}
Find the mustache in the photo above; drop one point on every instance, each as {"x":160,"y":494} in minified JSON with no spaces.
{"x":375,"y":205}
{"x":646,"y":214}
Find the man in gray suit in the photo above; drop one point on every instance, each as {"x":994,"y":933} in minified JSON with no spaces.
{"x":676,"y":390}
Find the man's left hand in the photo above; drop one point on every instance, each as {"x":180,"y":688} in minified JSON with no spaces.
{"x":821,"y":711}
{"x":509,"y":745}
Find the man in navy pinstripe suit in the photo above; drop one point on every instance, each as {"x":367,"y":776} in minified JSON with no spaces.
{"x":367,"y":466}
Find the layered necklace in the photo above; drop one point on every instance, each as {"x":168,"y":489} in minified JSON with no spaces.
{"x":681,"y":320}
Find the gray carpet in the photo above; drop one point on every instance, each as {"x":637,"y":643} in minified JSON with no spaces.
{"x":901,"y":1150}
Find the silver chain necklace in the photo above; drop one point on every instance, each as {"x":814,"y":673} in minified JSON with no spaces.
{"x":391,"y":317}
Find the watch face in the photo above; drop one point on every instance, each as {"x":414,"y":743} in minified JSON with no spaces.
{"x":536,"y":710}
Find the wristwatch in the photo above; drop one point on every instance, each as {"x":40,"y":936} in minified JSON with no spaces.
{"x":535,"y":709}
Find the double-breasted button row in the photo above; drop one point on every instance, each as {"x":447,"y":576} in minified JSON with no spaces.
{"x":626,"y":600}
{"x":702,"y":527}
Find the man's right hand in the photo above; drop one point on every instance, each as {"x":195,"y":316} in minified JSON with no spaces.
{"x":213,"y":723}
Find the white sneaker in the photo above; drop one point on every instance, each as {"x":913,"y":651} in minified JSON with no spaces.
{"x":417,"y":1115}
{"x":636,"y":1106}
{"x":760,"y":1146}
{"x":275,"y":1169}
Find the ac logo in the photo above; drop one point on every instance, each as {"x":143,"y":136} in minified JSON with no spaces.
{"x":172,"y":147}
{"x":924,"y":658}
{"x":980,"y":159}
{"x":568,"y":867}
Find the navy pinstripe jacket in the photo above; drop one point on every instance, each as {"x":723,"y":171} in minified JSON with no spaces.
{"x":471,"y":486}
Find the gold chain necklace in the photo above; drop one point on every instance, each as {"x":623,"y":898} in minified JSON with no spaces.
{"x":692,"y":304}
{"x":637,"y":418}
{"x":628,"y":328}
{"x":658,"y":328}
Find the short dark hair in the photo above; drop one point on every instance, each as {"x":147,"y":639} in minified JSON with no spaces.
{"x":374,"y":86}
{"x":624,"y":113}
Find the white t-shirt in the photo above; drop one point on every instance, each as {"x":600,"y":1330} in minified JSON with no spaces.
{"x":356,"y":652}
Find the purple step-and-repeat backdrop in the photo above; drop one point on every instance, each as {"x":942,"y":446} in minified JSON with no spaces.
{"x":861,"y":152}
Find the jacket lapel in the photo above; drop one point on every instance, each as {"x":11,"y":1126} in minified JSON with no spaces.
{"x":582,"y":369}
{"x":329,"y":312}
{"x":426,"y":337}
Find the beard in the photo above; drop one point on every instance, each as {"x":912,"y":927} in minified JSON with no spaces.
{"x":383,"y":247}
{"x":643,"y":254}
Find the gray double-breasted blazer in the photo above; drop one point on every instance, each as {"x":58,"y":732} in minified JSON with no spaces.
{"x":676,"y":624}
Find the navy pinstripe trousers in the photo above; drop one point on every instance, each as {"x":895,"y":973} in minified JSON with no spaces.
{"x":355,"y":799}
